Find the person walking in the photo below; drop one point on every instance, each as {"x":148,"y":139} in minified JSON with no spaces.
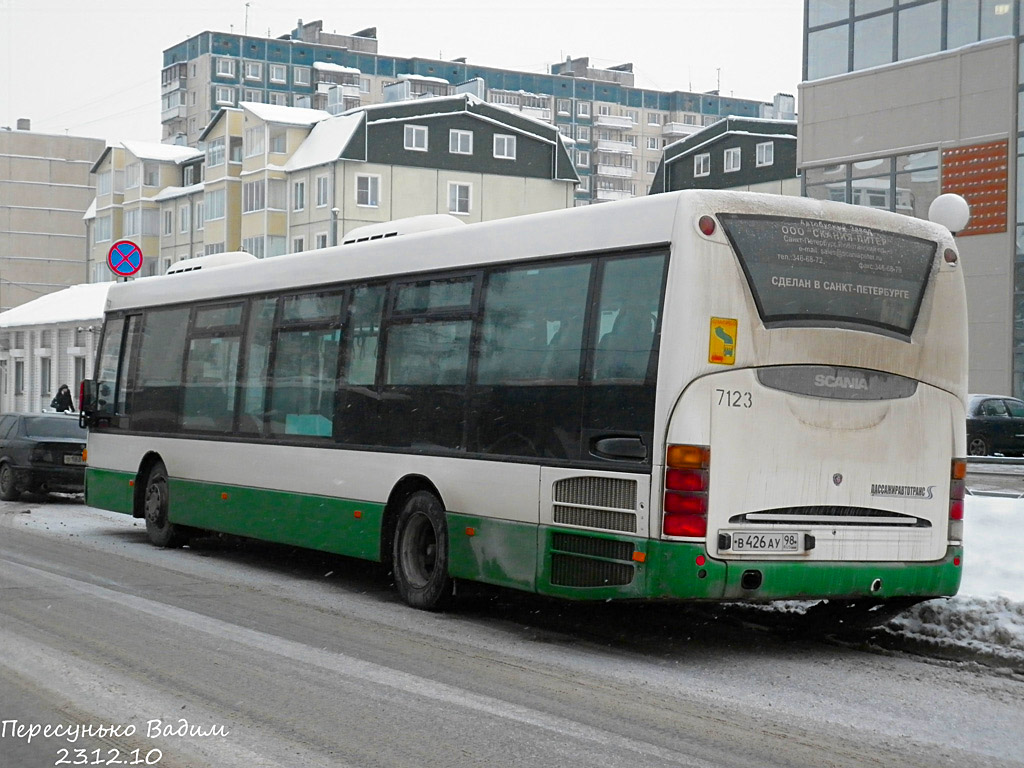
{"x":62,"y":400}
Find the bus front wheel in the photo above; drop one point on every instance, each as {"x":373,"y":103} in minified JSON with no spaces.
{"x":159,"y":529}
{"x":421,"y":553}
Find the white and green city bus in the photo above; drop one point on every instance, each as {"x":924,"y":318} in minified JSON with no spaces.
{"x":695,"y":396}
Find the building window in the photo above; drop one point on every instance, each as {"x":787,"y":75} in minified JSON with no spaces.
{"x":150,"y":174}
{"x":184,"y":218}
{"x":299,"y":196}
{"x":168,"y":222}
{"x":225,"y":95}
{"x":253,"y":70}
{"x":765,"y":153}
{"x":254,"y":246}
{"x":252,"y":94}
{"x":652,"y":142}
{"x":584,"y":184}
{"x":214,"y":204}
{"x":655,"y":118}
{"x":298,"y":244}
{"x":583,"y":133}
{"x":225,"y":67}
{"x":732,"y":159}
{"x":368,"y":190}
{"x":45,"y":370}
{"x":19,"y":377}
{"x":632,"y":115}
{"x":101,"y":229}
{"x":103,"y":183}
{"x":322,"y":196}
{"x":278,"y":99}
{"x":235,"y":149}
{"x":302,"y":100}
{"x":564,"y":107}
{"x":132,"y":175}
{"x":702,"y":165}
{"x":364,"y":85}
{"x":278,"y":141}
{"x":320,"y":239}
{"x":460,"y":142}
{"x":200,"y":221}
{"x":582,"y":158}
{"x":215,"y":153}
{"x":278,"y":73}
{"x":254,"y":138}
{"x":416,"y":137}
{"x":458,"y":197}
{"x":254,"y":197}
{"x":652,"y":166}
{"x":300,"y":75}
{"x":505,"y":147}
{"x":583,"y":109}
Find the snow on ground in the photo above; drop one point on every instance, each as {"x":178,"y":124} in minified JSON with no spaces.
{"x":987,"y":616}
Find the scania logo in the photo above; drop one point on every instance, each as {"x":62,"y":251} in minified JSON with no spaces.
{"x":840,"y":382}
{"x":837,"y":479}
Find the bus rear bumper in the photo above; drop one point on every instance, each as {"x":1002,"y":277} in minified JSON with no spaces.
{"x":683,"y":571}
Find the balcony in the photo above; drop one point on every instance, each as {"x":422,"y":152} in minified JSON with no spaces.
{"x":616,"y":171}
{"x":172,"y":113}
{"x":612,"y":194}
{"x":618,"y":147}
{"x":613,"y":121}
{"x":678,"y":130}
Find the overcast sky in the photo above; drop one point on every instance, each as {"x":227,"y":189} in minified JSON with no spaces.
{"x":92,"y":67}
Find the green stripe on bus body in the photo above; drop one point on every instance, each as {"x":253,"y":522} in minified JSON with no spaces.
{"x":491,"y":551}
{"x":107,"y":489}
{"x":673,"y":568}
{"x":341,"y":526}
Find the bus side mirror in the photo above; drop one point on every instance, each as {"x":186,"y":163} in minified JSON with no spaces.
{"x":91,"y":405}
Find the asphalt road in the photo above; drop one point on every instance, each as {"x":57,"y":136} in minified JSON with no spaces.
{"x":232,"y":653}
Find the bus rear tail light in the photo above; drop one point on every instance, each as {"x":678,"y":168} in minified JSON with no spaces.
{"x":957,"y":492}
{"x":687,"y":479}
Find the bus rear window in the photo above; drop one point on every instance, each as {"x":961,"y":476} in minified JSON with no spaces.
{"x":826,"y":273}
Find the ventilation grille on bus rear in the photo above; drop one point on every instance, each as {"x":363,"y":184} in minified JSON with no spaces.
{"x":596,"y":502}
{"x":572,"y":571}
{"x":845,"y":516}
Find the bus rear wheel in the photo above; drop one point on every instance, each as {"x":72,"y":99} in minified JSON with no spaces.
{"x":159,"y":529}
{"x":420,"y":553}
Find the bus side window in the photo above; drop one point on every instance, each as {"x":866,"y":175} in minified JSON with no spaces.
{"x":257,"y":366}
{"x":106,"y":370}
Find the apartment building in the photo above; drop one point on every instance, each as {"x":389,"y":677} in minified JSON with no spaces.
{"x":45,"y":190}
{"x":275,"y":180}
{"x":620,"y":130}
{"x":745,"y":154}
{"x":905,"y":100}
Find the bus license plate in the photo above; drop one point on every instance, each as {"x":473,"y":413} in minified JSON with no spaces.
{"x":765,"y":541}
{"x":73,"y":458}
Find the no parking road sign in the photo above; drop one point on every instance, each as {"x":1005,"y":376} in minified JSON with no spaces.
{"x":124,"y":258}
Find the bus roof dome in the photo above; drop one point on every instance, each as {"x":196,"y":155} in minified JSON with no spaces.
{"x":407,"y":226}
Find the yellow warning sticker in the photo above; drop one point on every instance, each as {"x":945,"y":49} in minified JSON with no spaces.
{"x":722,"y":341}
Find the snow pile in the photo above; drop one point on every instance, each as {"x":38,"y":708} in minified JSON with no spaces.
{"x":987,"y":617}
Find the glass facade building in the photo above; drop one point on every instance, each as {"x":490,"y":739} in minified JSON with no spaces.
{"x":842,"y":37}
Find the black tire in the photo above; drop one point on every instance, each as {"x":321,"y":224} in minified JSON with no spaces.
{"x":978,"y":446}
{"x":420,"y":553}
{"x":8,"y":490}
{"x":155,"y":504}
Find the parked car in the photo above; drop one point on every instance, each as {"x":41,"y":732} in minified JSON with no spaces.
{"x":995,"y":424}
{"x":40,"y":453}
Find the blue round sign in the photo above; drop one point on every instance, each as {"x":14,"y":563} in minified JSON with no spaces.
{"x":124,"y":258}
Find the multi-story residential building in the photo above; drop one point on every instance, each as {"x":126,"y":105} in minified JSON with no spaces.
{"x":278,"y":179}
{"x":45,"y":190}
{"x":619,"y":129}
{"x":128,"y":179}
{"x":905,"y":100}
{"x":747,"y":154}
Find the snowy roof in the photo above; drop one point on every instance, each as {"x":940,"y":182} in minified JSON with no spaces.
{"x":326,"y":66}
{"x":173,"y":153}
{"x":325,"y":142}
{"x":274,"y":113}
{"x":167,"y":193}
{"x":90,"y":212}
{"x":79,"y":302}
